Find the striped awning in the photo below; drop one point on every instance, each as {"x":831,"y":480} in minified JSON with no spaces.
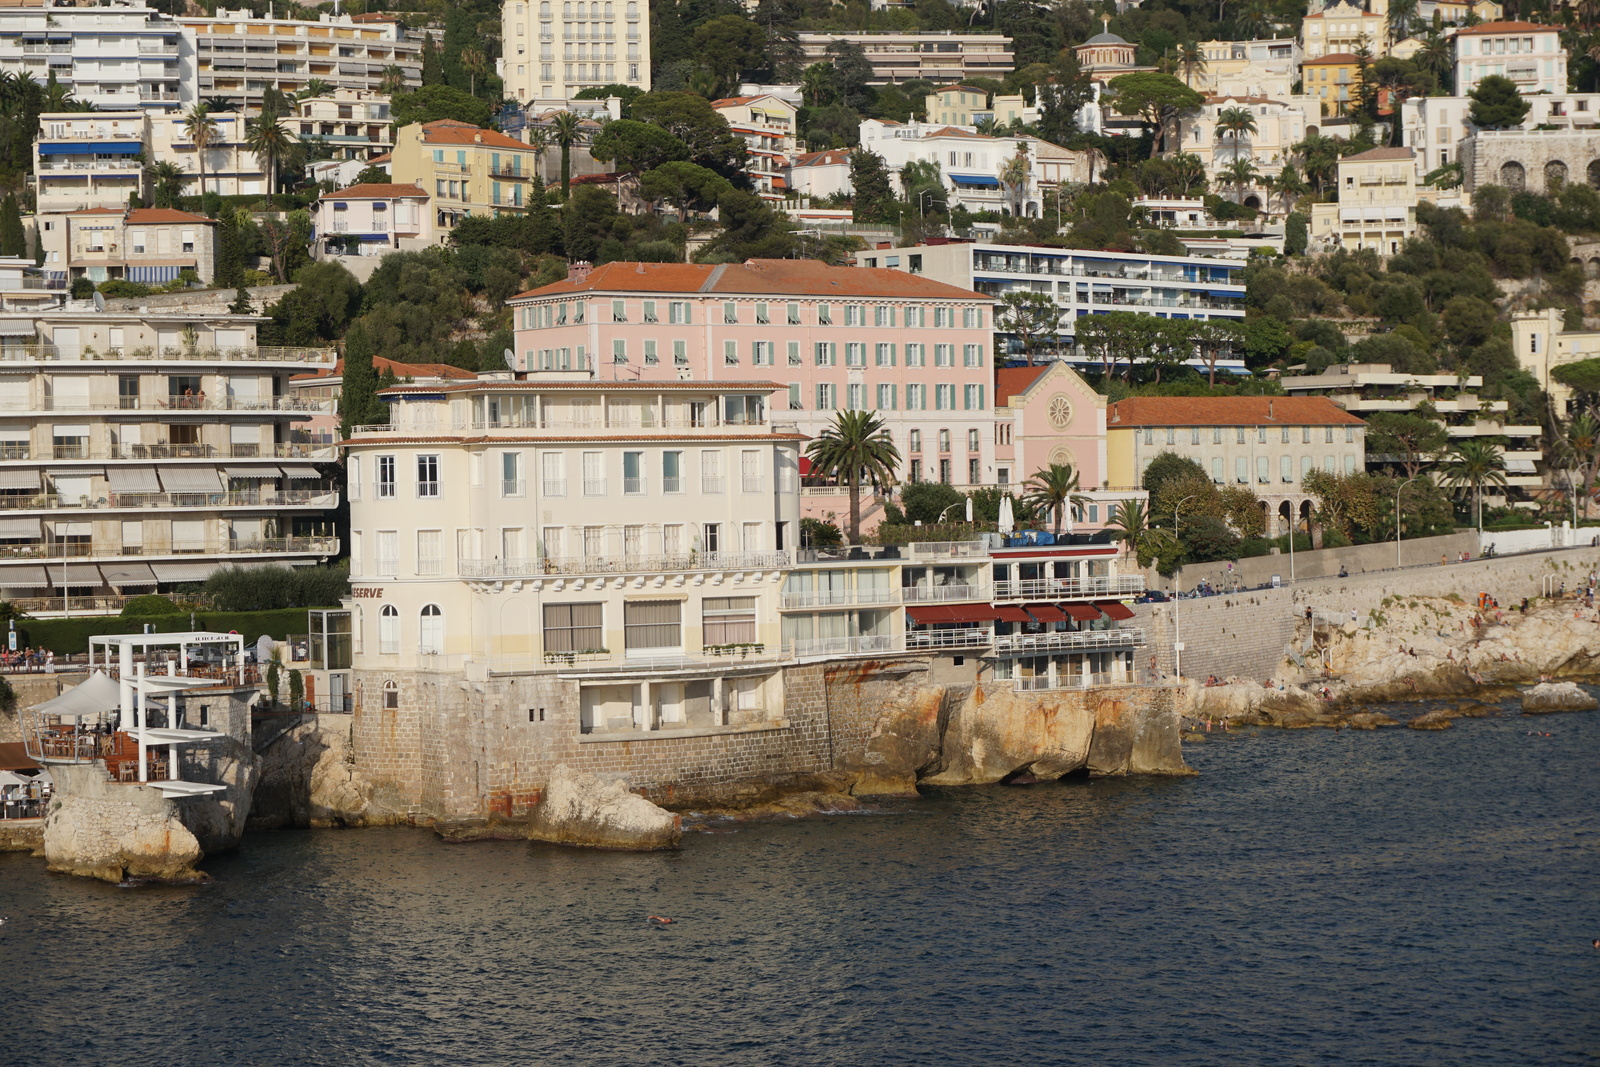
{"x":19,"y":478}
{"x":153,"y":275}
{"x":121,"y":574}
{"x":133,"y":480}
{"x":25,"y":577}
{"x":301,"y":472}
{"x":191,"y":480}
{"x":15,"y":527}
{"x":260,"y":474}
{"x":183,"y":572}
{"x":73,"y":573}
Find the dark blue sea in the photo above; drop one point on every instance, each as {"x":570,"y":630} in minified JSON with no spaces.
{"x":1312,"y":897}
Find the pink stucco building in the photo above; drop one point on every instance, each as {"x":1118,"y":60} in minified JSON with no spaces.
{"x":915,"y":350}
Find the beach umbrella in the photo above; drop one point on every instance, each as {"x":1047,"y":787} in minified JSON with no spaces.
{"x":1008,"y":520}
{"x":969,"y":509}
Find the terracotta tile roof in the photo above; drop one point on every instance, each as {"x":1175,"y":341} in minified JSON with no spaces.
{"x":1507,"y":27}
{"x":647,"y":438}
{"x":400,"y":370}
{"x":1342,"y":59}
{"x":96,"y":211}
{"x":374,"y":191}
{"x":498,"y":384}
{"x":1013,"y":381}
{"x":735,"y":101}
{"x":386,"y":157}
{"x":449,"y":131}
{"x":1374,"y":155}
{"x":1227,"y":411}
{"x":822,"y":159}
{"x":962,"y":89}
{"x":777,"y":277}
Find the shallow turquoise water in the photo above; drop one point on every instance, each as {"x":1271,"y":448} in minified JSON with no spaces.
{"x":1311,"y":898}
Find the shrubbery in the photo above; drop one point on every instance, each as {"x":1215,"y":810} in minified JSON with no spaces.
{"x":275,"y":588}
{"x":152,"y":604}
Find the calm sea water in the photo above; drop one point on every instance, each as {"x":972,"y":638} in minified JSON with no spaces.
{"x":1312,"y":898}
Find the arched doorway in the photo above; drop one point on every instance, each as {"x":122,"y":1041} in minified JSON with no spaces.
{"x":1555,"y":176}
{"x":1513,"y":177}
{"x":1594,"y":174}
{"x":1594,"y":267}
{"x":1253,"y":201}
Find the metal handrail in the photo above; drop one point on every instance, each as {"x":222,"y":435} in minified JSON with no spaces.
{"x":1024,"y":644}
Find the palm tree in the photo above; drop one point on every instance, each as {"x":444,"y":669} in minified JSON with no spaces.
{"x":817,"y":82}
{"x":1130,"y":523}
{"x":1288,"y":185}
{"x":392,"y":79}
{"x":539,"y":140}
{"x":1192,"y":61}
{"x":268,"y":139}
{"x":201,"y":130}
{"x":1319,"y":156}
{"x":166,"y":183}
{"x":1402,"y":13}
{"x":1239,"y":174}
{"x":856,"y":447}
{"x":1188,"y":172}
{"x":58,"y":97}
{"x":1053,"y":489}
{"x":475,"y":63}
{"x":313,"y":88}
{"x":1254,"y":20}
{"x":986,"y":126}
{"x":1014,"y":178}
{"x":1579,"y":445}
{"x":1235,"y":123}
{"x":566,"y":130}
{"x":1435,"y":57}
{"x":1472,"y":464}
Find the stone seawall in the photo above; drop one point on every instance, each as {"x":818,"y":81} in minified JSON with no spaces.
{"x":1245,"y":634}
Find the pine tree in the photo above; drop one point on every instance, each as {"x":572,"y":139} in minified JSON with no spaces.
{"x":241,"y":302}
{"x":12,"y":240}
{"x":358,"y":389}
{"x":432,"y":64}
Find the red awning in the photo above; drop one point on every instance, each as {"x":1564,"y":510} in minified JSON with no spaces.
{"x":1081,"y":612}
{"x":1114,"y":609}
{"x":1012,"y":615}
{"x":927,"y":616}
{"x":1047,"y":613}
{"x":971,"y":613}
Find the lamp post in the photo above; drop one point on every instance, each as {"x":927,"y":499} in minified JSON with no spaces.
{"x":925,"y":192}
{"x":1294,"y":527}
{"x":1397,"y":493}
{"x":1177,"y":590}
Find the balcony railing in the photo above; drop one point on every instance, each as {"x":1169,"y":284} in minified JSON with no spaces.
{"x":575,"y":565}
{"x":1066,"y":588}
{"x":805,"y":648}
{"x":167,"y":354}
{"x":824,"y":598}
{"x":968,"y":638}
{"x":935,"y":594}
{"x":1028,"y":644}
{"x":287,"y":498}
{"x":256,"y":546}
{"x":175,"y":403}
{"x":946,"y":549}
{"x":1087,"y":680}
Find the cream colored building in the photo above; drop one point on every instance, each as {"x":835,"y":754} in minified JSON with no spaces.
{"x":1542,"y":343}
{"x":553,"y":49}
{"x":238,"y":56}
{"x":465,"y":169}
{"x":89,"y":159}
{"x":232,"y":169}
{"x":1346,"y":27}
{"x":1280,"y":125}
{"x":940,"y":56}
{"x":1266,"y":68}
{"x":1377,"y":208}
{"x":152,"y":246}
{"x":766,"y":124}
{"x":355,"y":123}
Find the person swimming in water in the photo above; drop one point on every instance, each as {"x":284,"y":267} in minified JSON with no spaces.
{"x":658,"y":919}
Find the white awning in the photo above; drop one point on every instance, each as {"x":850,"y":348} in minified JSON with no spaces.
{"x":19,"y":478}
{"x":253,"y":473}
{"x":191,"y":480}
{"x":133,"y":479}
{"x":301,"y":472}
{"x":183,"y":572}
{"x":120,"y":574}
{"x":15,"y":527}
{"x":73,"y":574}
{"x":98,"y":694}
{"x":1520,"y":466}
{"x":25,"y":577}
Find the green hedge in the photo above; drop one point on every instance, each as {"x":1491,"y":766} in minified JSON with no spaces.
{"x":66,"y":636}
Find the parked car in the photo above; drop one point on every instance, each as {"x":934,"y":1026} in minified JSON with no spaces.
{"x":1152,"y":596}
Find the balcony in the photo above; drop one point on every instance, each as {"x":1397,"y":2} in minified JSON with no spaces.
{"x":807,"y":648}
{"x":1029,"y":644}
{"x":259,"y":546}
{"x":1069,"y":588}
{"x":167,"y":354}
{"x":948,"y":594}
{"x":968,"y":638}
{"x":835,"y":598}
{"x":924,"y":550}
{"x":184,"y":403}
{"x":586,"y":565}
{"x":142,"y":501}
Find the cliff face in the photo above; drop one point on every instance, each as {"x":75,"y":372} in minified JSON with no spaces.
{"x":309,"y":777}
{"x":97,"y":828}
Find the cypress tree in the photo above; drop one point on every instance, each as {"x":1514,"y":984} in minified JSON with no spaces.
{"x":432,"y":63}
{"x":358,"y":389}
{"x":38,"y":247}
{"x":228,"y":260}
{"x":543,"y":229}
{"x":241,"y":302}
{"x":12,"y":240}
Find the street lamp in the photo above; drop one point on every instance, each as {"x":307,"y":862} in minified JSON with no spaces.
{"x":925,"y":192}
{"x":1397,"y":493}
{"x":1294,"y":527}
{"x":1177,"y":629}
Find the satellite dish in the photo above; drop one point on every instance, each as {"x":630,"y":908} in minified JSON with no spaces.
{"x":511,"y":359}
{"x":99,"y":301}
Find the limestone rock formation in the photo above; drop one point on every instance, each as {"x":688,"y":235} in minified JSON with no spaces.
{"x":1557,"y":696}
{"x":218,"y":822}
{"x":309,"y":778}
{"x":113,"y":831}
{"x":580,"y":809}
{"x":1437,"y":719}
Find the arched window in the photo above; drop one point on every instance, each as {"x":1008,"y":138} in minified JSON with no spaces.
{"x":391,"y":696}
{"x":358,"y":629}
{"x":389,"y":630}
{"x":544,"y":9}
{"x":430,"y":631}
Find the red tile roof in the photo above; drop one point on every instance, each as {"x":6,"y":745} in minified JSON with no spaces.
{"x":822,"y":159}
{"x":1343,"y":59}
{"x":374,"y":191}
{"x":146,"y":216}
{"x":1374,"y":155}
{"x":96,"y":211}
{"x":385,"y":157}
{"x":400,"y":370}
{"x":1507,"y":27}
{"x":1013,"y":381}
{"x":1227,"y":411}
{"x":449,"y":131}
{"x":778,"y":277}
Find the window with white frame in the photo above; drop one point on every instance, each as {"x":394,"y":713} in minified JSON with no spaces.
{"x":573,"y":628}
{"x":430,"y":630}
{"x":388,"y":553}
{"x":730,"y":353}
{"x":389,"y":631}
{"x":824,"y":314}
{"x":795,"y":400}
{"x":944,"y":397}
{"x":511,"y":474}
{"x":594,"y":474}
{"x":619,"y":350}
{"x":650,"y":625}
{"x":761,"y":353}
{"x":386,"y":479}
{"x":678,"y":313}
{"x":972,"y":440}
{"x":633,"y":479}
{"x":619,"y":311}
{"x":973,"y":397}
{"x":887,"y":400}
{"x":427,"y":477}
{"x":728,"y":620}
{"x":855,"y":396}
{"x":885,"y":355}
{"x":827,"y":396}
{"x":944,"y":355}
{"x":750,"y":471}
{"x":826,"y":353}
{"x":730,"y":313}
{"x":711,"y":479}
{"x":795,"y":359}
{"x":855,"y":354}
{"x":916,"y":355}
{"x":353,"y":477}
{"x":672,"y":472}
{"x":430,"y":552}
{"x":972,"y":356}
{"x":916,"y":397}
{"x":650,"y":312}
{"x":762,"y":317}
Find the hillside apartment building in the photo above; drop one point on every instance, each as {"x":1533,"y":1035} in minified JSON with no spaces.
{"x":554,"y":49}
{"x":466,"y":170}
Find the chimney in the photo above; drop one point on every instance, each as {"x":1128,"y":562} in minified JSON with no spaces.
{"x":579,"y":270}
{"x":1270,"y":415}
{"x":477,"y":138}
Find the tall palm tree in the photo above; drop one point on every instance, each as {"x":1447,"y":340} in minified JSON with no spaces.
{"x":566,"y":131}
{"x":476,"y":63}
{"x":1254,"y":20}
{"x":201,"y":131}
{"x":817,"y":82}
{"x":1014,"y":178}
{"x":313,"y":88}
{"x":1579,"y":445}
{"x":1129,"y":523}
{"x":1288,"y":186}
{"x":1319,"y":157}
{"x":1472,"y":464}
{"x":392,"y":79}
{"x":538,"y":138}
{"x":1435,"y":57}
{"x":1192,"y":61}
{"x":856,"y":447}
{"x":166,"y":183}
{"x":57,"y":97}
{"x":268,"y":139}
{"x":1239,"y":174}
{"x":1402,"y":13}
{"x":1235,"y":123}
{"x":1053,"y":489}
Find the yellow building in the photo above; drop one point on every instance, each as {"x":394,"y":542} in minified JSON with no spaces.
{"x":1332,"y":80}
{"x":1377,"y":206}
{"x":954,"y":105}
{"x":1344,"y":27}
{"x":467,"y":170}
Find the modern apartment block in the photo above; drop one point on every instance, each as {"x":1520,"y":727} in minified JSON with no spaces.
{"x":1267,"y":444}
{"x":231,"y":168}
{"x":238,"y":56}
{"x":354,"y":123}
{"x":89,"y":159}
{"x":465,"y":169}
{"x":1528,"y":53}
{"x":553,"y":49}
{"x":145,"y":449}
{"x":116,"y":55}
{"x":914,"y":350}
{"x":148,"y":245}
{"x":940,"y":56}
{"x":1082,"y":282}
{"x":1365,"y":388}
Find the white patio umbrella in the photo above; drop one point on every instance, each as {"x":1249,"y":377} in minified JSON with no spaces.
{"x":1008,"y":519}
{"x":969,"y":509}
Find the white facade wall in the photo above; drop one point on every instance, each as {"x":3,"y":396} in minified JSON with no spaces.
{"x":556,"y":48}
